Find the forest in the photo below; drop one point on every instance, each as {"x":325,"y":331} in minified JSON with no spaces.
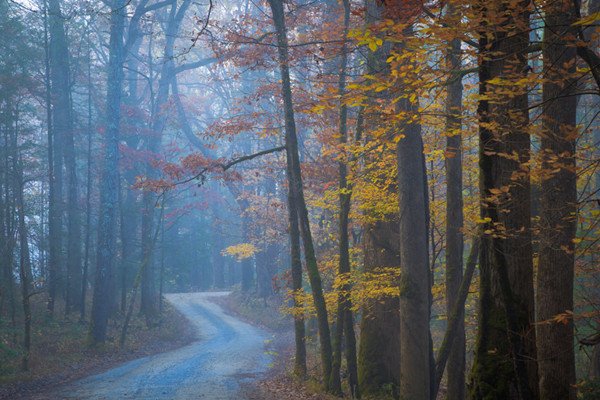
{"x":417,"y":182}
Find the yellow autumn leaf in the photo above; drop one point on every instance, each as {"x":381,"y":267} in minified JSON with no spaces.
{"x":590,"y":19}
{"x":240,"y":251}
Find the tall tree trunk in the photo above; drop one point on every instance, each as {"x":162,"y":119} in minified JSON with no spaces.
{"x":295,"y":186}
{"x":558,"y":208}
{"x":504,"y":365}
{"x":107,"y":243}
{"x":24,"y":262}
{"x":345,"y":320}
{"x":296,"y":266}
{"x":379,"y":349}
{"x":415,"y":287}
{"x":454,"y":317}
{"x":88,"y":190}
{"x":454,"y":218}
{"x":61,"y":128}
{"x":65,"y":151}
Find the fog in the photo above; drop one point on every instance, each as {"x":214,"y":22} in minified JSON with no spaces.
{"x":173,"y":99}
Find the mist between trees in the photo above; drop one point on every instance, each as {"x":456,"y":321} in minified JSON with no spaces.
{"x":420,"y":179}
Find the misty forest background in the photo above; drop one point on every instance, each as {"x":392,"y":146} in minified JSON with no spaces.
{"x":415,"y":181}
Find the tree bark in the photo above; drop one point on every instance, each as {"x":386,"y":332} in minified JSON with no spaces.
{"x":61,"y":124}
{"x":107,"y":244}
{"x":24,"y":259}
{"x":455,"y":318}
{"x":379,"y":348}
{"x":558,"y":205}
{"x":345,"y":320}
{"x":415,"y":287}
{"x":64,"y":153}
{"x":454,"y":219}
{"x":296,"y":266}
{"x":505,"y":353}
{"x":379,"y":353}
{"x":295,"y":186}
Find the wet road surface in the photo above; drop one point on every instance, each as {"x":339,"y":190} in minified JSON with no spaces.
{"x":228,"y":353}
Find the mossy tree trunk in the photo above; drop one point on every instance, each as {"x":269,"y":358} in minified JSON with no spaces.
{"x":297,"y":192}
{"x":296,"y":266}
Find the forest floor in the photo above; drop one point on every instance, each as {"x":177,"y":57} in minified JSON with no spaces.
{"x":65,"y":361}
{"x":59,"y":355}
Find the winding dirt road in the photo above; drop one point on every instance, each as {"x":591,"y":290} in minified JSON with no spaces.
{"x":228,"y":353}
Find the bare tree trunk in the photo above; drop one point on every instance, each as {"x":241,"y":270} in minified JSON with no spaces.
{"x":415,"y":290}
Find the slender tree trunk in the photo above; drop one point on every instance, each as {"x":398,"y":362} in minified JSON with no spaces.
{"x":558,"y":205}
{"x":455,"y":318}
{"x":74,"y":272}
{"x":345,"y":320}
{"x":25,"y":262}
{"x":296,"y":266}
{"x":454,"y":220}
{"x":107,"y":243}
{"x":7,"y":236}
{"x":65,"y":150}
{"x":60,"y":128}
{"x":295,"y":186}
{"x":88,"y":190}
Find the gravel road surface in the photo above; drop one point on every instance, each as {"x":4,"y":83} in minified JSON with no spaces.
{"x":228,"y":353}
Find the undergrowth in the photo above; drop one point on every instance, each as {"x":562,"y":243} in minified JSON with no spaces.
{"x":262,"y":312}
{"x":58,"y":343}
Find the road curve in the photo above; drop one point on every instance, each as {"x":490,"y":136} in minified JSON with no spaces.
{"x":227,"y":353}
